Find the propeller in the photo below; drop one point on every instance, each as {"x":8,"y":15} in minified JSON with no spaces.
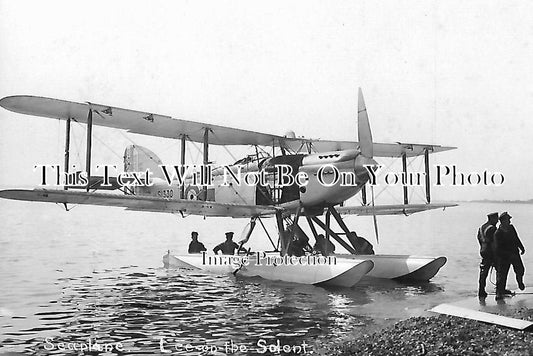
{"x":366,"y":146}
{"x":374,"y":216}
{"x":363,"y":128}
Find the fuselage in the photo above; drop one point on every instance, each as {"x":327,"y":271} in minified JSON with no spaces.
{"x":309,"y":180}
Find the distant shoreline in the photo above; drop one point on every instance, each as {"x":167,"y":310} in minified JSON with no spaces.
{"x":530,"y":201}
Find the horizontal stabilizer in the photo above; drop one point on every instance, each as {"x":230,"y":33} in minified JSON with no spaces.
{"x":395,"y":209}
{"x":140,"y":203}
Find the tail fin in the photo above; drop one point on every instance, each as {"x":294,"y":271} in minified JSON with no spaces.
{"x":139,"y":159}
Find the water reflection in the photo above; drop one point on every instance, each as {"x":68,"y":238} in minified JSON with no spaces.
{"x":63,"y":279}
{"x":139,"y":308}
{"x":143,"y":308}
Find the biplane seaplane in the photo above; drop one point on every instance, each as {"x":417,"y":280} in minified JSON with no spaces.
{"x":312,"y":193}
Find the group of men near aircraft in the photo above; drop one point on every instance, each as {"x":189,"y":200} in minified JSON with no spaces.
{"x":227,"y":247}
{"x":297,"y":247}
{"x":500,"y":247}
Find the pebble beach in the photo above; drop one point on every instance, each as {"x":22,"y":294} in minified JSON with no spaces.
{"x":443,"y":335}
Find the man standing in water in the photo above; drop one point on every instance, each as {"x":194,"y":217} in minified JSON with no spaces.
{"x":485,"y":236}
{"x":507,"y":244}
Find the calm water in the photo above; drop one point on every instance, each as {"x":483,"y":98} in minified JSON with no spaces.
{"x":97,"y":273}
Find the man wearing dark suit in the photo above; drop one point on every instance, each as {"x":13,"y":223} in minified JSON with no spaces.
{"x":507,"y":246}
{"x":196,"y":246}
{"x":485,"y":237}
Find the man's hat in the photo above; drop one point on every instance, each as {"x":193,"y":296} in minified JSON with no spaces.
{"x":493,"y":216}
{"x":505,"y":215}
{"x":229,"y":233}
{"x":194,"y":233}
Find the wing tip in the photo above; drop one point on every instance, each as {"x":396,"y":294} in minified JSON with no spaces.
{"x":5,"y":101}
{"x":12,"y":102}
{"x":13,"y":194}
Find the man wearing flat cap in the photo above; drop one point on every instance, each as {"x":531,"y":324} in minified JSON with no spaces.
{"x":227,"y":247}
{"x":508,"y":248}
{"x":485,"y":237}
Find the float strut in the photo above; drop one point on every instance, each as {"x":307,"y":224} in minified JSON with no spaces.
{"x":302,"y":232}
{"x":248,"y":233}
{"x":312,"y":227}
{"x":293,"y":230}
{"x":328,"y":224}
{"x":334,"y":235}
{"x":297,"y":216}
{"x":343,"y":226}
{"x":268,"y":235}
{"x":337,"y":217}
{"x":281,"y":232}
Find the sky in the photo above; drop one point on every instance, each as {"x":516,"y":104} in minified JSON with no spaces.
{"x":451,"y":73}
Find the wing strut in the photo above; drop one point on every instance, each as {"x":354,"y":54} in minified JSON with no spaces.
{"x":182,"y":154}
{"x":206,"y":155}
{"x":428,"y":180}
{"x":89,"y":143}
{"x":67,"y":151}
{"x":404,"y":166}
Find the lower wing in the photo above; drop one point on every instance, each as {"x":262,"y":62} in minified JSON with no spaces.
{"x":396,"y":209}
{"x":140,"y":203}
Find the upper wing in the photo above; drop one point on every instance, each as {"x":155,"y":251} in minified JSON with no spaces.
{"x":141,"y":203}
{"x":165,"y":126}
{"x":380,"y":149}
{"x":396,"y":209}
{"x":134,"y":121}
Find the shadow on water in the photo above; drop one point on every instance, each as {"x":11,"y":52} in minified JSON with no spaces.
{"x":144,"y":308}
